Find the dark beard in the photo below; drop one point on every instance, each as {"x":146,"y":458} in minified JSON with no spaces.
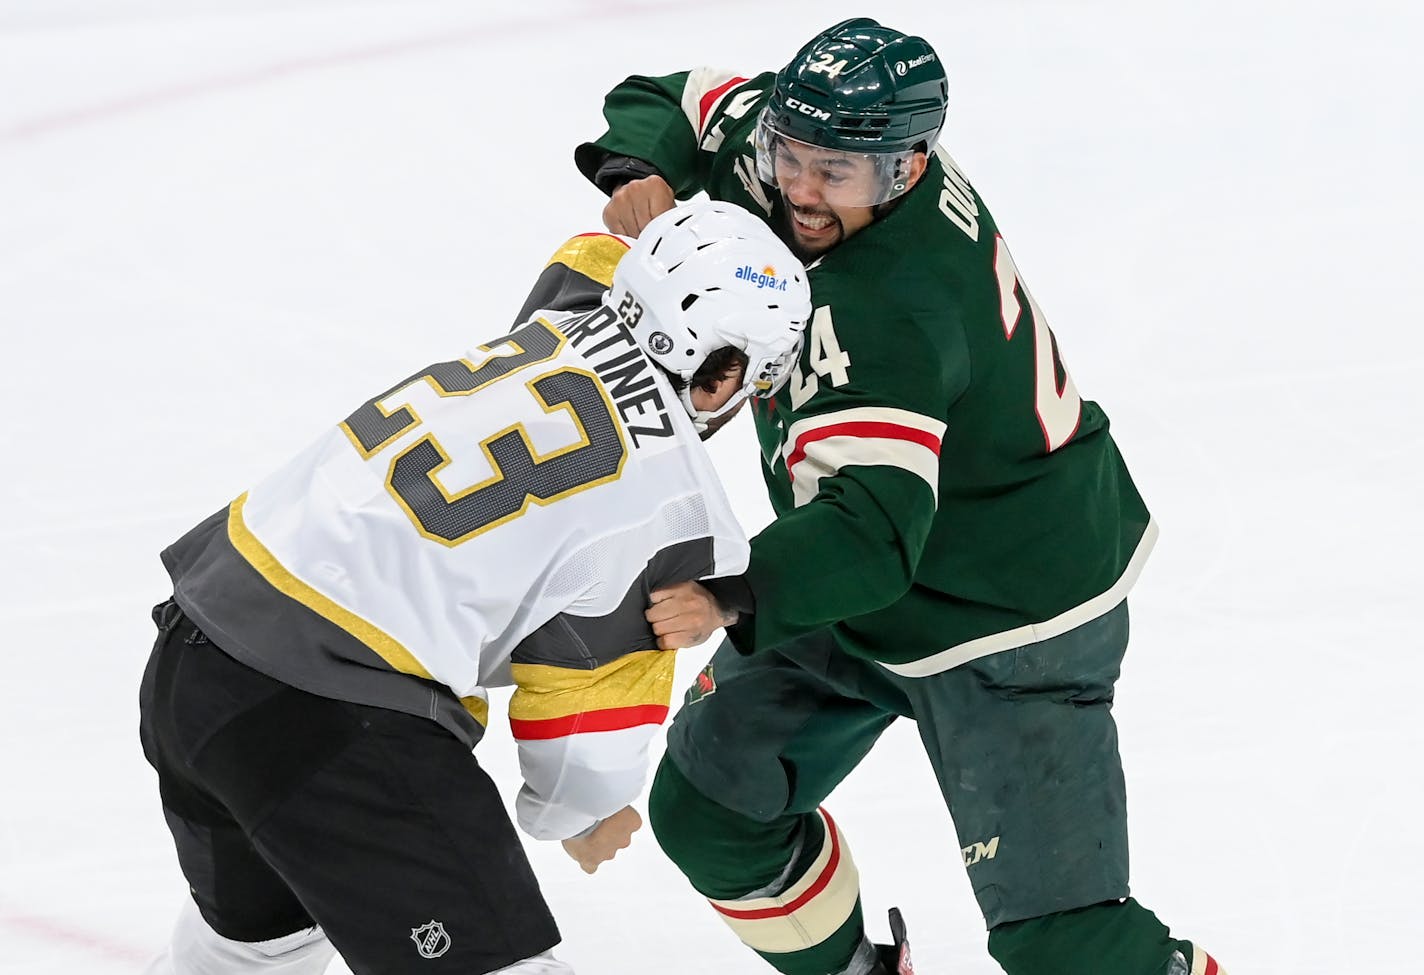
{"x":788,"y":235}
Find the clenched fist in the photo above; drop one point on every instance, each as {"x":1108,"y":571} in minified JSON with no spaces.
{"x":686,"y":614}
{"x":608,"y":837}
{"x":634,"y":205}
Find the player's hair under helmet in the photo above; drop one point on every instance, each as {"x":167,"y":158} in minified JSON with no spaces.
{"x":706,"y":275}
{"x":858,"y":89}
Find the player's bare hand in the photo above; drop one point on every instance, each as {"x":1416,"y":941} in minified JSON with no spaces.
{"x":608,"y":837}
{"x":634,"y":205}
{"x":686,"y":614}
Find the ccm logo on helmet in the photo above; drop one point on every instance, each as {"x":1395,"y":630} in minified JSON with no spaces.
{"x":796,"y":105}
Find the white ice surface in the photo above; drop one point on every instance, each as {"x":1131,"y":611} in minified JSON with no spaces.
{"x":222,"y":223}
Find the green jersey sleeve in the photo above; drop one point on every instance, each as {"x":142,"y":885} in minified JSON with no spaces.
{"x":675,"y":122}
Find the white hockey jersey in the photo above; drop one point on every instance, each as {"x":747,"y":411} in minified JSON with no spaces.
{"x":497,"y":518}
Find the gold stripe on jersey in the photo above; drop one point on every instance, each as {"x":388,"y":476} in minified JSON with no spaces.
{"x":499,"y":475}
{"x":511,"y":349}
{"x":415,"y":421}
{"x":280,"y":578}
{"x":478,"y":708}
{"x":592,"y":255}
{"x":544,"y":691}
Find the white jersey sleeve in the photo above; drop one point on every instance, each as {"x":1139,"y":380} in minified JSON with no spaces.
{"x":583,"y":739}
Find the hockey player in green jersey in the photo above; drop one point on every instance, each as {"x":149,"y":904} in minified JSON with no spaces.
{"x":956,"y":533}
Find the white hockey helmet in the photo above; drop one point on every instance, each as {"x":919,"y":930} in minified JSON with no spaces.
{"x":706,"y":275}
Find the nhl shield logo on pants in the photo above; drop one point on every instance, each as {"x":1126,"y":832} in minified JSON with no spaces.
{"x":430,"y":939}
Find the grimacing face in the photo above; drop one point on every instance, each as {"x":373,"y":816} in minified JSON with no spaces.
{"x":815,"y":182}
{"x":825,"y":190}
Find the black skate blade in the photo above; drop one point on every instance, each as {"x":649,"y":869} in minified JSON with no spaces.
{"x":901,"y":938}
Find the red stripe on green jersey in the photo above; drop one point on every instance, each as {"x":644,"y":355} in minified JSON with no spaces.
{"x":864,"y":430}
{"x":706,"y":103}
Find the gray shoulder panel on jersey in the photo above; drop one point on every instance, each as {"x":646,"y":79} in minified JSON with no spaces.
{"x":272,"y":633}
{"x":588,"y":642}
{"x":561,"y":289}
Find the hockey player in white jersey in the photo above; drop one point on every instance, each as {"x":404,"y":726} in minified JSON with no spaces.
{"x":320,"y":673}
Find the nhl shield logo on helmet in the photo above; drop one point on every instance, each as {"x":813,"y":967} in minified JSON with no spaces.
{"x":430,"y":939}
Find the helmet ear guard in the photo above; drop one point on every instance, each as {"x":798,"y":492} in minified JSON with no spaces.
{"x":707,"y":275}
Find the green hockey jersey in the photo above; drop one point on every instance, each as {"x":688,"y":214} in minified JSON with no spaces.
{"x":942,"y":491}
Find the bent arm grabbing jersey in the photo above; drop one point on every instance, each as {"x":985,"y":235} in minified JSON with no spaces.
{"x":498,"y":517}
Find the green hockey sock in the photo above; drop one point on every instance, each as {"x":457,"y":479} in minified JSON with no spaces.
{"x":723,"y":853}
{"x":827,"y":958}
{"x":788,"y":888}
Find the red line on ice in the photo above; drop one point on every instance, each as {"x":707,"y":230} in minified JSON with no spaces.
{"x":56,"y":932}
{"x":145,"y":100}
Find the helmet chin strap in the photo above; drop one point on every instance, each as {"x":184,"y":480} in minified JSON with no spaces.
{"x":701,"y":419}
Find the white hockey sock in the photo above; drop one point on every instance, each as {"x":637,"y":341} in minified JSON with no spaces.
{"x":542,"y":964}
{"x":196,"y":949}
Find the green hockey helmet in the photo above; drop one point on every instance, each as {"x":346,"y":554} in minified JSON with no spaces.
{"x":857,"y":89}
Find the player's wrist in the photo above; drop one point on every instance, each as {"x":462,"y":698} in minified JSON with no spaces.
{"x":586,"y":832}
{"x":616,"y":170}
{"x":734,"y":597}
